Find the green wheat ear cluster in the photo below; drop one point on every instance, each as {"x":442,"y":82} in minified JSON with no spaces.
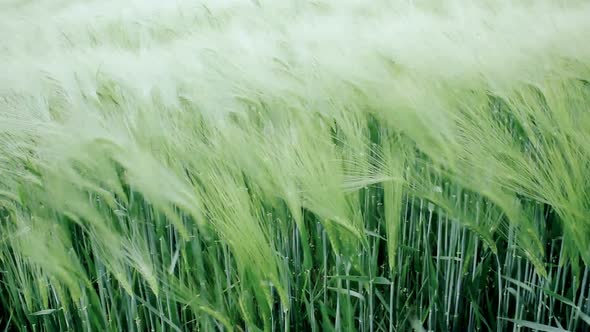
{"x":297,"y":165}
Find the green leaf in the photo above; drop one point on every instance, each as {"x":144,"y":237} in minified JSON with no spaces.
{"x":43,"y":312}
{"x":535,"y":326}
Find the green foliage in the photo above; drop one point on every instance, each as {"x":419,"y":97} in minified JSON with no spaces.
{"x":424,"y":169}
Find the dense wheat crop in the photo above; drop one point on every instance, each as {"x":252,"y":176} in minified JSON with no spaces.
{"x":294,"y":165}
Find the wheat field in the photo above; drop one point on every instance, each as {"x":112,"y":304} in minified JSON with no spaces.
{"x":302,"y":165}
